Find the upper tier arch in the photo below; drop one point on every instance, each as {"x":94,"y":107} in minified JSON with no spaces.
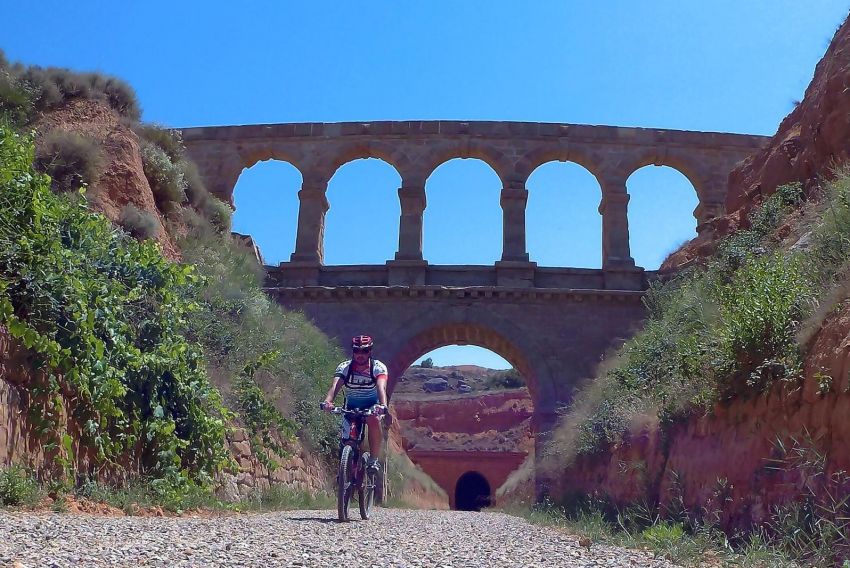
{"x":512,"y":149}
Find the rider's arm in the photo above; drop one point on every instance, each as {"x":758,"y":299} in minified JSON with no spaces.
{"x":381,"y":378}
{"x":332,"y":392}
{"x":382,"y":388}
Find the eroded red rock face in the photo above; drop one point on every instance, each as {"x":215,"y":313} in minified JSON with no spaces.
{"x":809,"y":143}
{"x":732,"y":453}
{"x":122,"y":180}
{"x":499,"y":421}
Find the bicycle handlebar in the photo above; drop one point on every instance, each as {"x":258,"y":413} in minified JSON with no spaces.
{"x":352,"y":412}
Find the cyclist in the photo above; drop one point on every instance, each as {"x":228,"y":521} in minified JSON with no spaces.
{"x":365,"y":382}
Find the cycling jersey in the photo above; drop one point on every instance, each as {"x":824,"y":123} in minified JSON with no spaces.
{"x":361,"y":390}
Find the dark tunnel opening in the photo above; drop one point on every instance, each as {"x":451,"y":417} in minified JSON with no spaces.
{"x":472,"y":492}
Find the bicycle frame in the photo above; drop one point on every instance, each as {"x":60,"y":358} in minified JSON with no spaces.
{"x":352,"y":474}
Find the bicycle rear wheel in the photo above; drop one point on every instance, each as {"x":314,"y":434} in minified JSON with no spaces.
{"x":366,"y":491}
{"x":345,"y":482}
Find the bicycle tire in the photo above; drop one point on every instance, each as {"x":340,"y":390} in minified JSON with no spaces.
{"x":366,"y":491}
{"x":345,"y":483}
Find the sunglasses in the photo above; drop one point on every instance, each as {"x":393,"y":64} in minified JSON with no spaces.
{"x":362,"y":350}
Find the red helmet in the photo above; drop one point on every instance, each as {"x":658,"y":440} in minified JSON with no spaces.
{"x":361,"y":342}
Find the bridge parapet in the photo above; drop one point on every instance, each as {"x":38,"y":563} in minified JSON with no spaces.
{"x":423,"y":275}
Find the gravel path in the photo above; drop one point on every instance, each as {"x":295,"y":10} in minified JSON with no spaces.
{"x":299,"y":538}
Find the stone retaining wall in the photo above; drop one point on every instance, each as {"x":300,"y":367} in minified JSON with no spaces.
{"x":302,"y":472}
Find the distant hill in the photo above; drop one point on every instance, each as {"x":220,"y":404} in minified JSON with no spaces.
{"x":478,"y":379}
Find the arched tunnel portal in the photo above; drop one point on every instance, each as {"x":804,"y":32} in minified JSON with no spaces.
{"x":472,"y":492}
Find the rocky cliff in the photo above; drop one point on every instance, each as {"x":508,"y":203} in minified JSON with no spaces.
{"x":753,"y":452}
{"x":497,"y":421}
{"x":809,"y":143}
{"x":122,"y":180}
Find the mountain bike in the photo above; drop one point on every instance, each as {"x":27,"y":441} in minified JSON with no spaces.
{"x":353,"y":475}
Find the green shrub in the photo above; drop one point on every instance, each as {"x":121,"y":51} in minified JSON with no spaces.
{"x":105,"y":317}
{"x":17,"y":487}
{"x":427,"y":363}
{"x":169,"y":141}
{"x":196,"y":189}
{"x":16,"y":99}
{"x":219,"y":214}
{"x":508,"y":379}
{"x":260,"y":416}
{"x":70,"y":159}
{"x":140,"y":224}
{"x":280,"y":498}
{"x":165,"y":177}
{"x":239,"y":325}
{"x":51,"y":87}
{"x":173,"y":494}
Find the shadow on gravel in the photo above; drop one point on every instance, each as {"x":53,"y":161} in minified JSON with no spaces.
{"x":313,"y":519}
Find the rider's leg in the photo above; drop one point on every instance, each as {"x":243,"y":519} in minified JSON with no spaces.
{"x":376,"y":437}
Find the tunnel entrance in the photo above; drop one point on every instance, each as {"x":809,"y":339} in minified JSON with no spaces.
{"x":472,"y":492}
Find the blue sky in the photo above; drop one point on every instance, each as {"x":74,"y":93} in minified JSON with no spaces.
{"x":722,"y":65}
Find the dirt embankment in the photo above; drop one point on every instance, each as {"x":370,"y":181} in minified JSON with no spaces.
{"x":732,"y":459}
{"x":749,"y":454}
{"x":809,"y":143}
{"x":122,"y":181}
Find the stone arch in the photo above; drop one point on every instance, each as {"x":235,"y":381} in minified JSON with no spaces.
{"x":460,"y":191}
{"x":659,"y":157}
{"x":266,"y":194}
{"x":252,"y":155}
{"x":378,"y":200}
{"x":464,"y":333}
{"x":377,"y":150}
{"x":647,"y":187}
{"x":566,"y":209}
{"x":468,"y":149}
{"x":472,"y":492}
{"x":577,"y":155}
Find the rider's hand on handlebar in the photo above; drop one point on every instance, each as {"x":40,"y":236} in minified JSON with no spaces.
{"x":379,"y":409}
{"x":326,"y":405}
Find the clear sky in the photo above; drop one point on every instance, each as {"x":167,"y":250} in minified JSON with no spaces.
{"x":720,"y":65}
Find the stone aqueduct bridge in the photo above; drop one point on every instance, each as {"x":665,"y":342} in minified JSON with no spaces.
{"x":553,"y":324}
{"x":513,"y":149}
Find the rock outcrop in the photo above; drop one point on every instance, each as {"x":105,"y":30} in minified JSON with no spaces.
{"x":734,"y":453}
{"x":122,"y":181}
{"x":809,"y":144}
{"x":744,"y":456}
{"x":497,"y":421}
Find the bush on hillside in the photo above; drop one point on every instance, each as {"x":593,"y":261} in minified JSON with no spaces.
{"x":169,"y":141}
{"x":239,"y":325}
{"x":715,"y":332}
{"x":16,"y":99}
{"x":508,"y":379}
{"x":219,"y":213}
{"x":196,"y":189}
{"x":17,"y":487}
{"x":70,"y":159}
{"x":165,"y":177}
{"x":25,"y":90}
{"x":138,"y":223}
{"x":105,"y":318}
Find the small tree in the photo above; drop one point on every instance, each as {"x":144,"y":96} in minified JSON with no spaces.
{"x":427,"y":363}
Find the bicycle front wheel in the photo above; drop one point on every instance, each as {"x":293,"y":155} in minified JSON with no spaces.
{"x":345,"y":482}
{"x":366,"y":491}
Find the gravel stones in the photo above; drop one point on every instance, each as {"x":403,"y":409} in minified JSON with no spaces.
{"x":392,"y":538}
